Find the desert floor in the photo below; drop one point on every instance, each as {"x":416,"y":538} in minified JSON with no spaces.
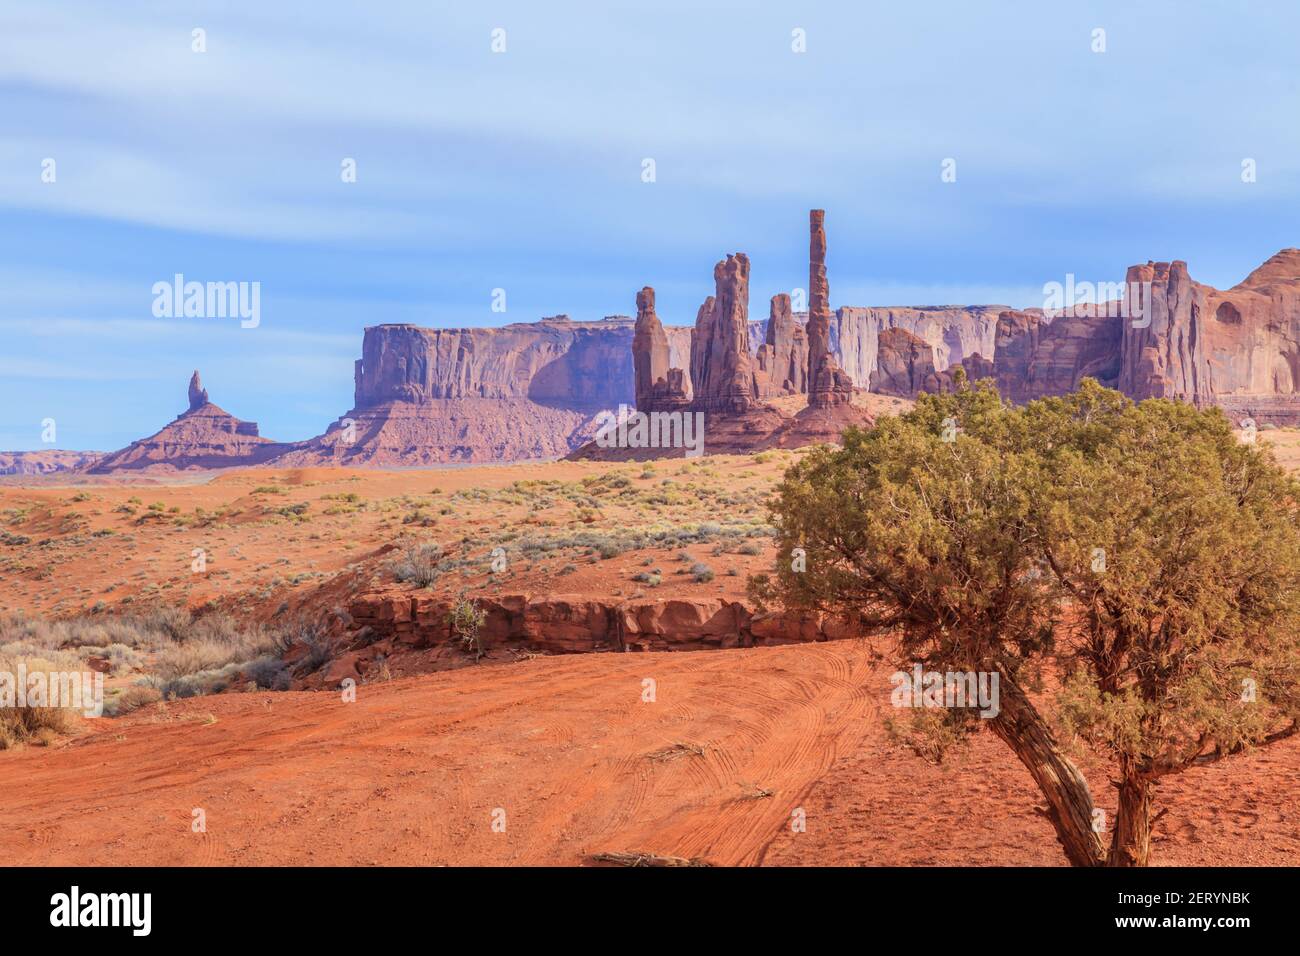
{"x":416,"y":770}
{"x":561,"y":750}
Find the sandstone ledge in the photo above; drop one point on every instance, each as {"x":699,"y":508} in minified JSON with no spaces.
{"x":579,"y":624}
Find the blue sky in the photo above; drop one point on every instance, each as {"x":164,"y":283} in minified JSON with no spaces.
{"x":522,"y":170}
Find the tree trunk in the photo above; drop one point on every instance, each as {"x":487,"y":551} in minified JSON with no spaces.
{"x":1069,"y":801}
{"x":1131,"y":844}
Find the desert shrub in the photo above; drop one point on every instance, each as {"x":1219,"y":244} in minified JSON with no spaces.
{"x":418,"y":564}
{"x":196,"y":684}
{"x":269,"y":673}
{"x":215,"y":642}
{"x":31,"y":724}
{"x":172,"y":621}
{"x":120,"y":657}
{"x":466,"y":620}
{"x":702,"y":573}
{"x":321,"y":646}
{"x":130,"y":699}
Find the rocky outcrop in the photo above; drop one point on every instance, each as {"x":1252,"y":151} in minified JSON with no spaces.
{"x":954,"y":333}
{"x":830,"y":408}
{"x":978,"y":367}
{"x":47,"y":462}
{"x":201,"y":438}
{"x":722,"y":368}
{"x":828,"y":384}
{"x":534,"y":390}
{"x":445,"y":431}
{"x":1173,"y":338}
{"x":659,"y":386}
{"x":577,"y":624}
{"x":906,"y":367}
{"x":198,"y":394}
{"x":1163,"y":351}
{"x":1036,"y":357}
{"x":517,"y":393}
{"x":1238,"y":348}
{"x":554,"y":362}
{"x":782,"y":359}
{"x":1253,"y":350}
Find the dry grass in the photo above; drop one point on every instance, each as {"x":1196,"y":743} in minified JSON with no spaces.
{"x":28,"y":724}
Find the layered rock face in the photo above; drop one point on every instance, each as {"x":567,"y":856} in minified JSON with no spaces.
{"x":953,"y":332}
{"x":828,"y":384}
{"x":444,"y":431}
{"x":907,"y":367}
{"x":203,"y":437}
{"x":533,"y":390}
{"x":556,"y":361}
{"x":1163,"y":351}
{"x":1238,"y":348}
{"x":1035,"y":357}
{"x":1174,"y":338}
{"x":577,"y":624}
{"x":782,"y":359}
{"x":521,"y":392}
{"x":52,"y":461}
{"x":659,"y":386}
{"x":722,"y":368}
{"x":1253,"y":342}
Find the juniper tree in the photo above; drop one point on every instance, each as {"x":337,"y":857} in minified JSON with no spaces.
{"x":1138,"y":554}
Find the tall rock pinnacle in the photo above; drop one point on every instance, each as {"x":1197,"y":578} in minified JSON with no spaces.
{"x":722,"y":368}
{"x":783,"y":356}
{"x":658,"y":387}
{"x":198,"y":394}
{"x":827,"y":383}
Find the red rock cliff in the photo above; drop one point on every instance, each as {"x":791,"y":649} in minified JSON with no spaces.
{"x":554,"y":362}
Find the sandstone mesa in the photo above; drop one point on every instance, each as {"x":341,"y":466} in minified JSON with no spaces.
{"x":530,"y":391}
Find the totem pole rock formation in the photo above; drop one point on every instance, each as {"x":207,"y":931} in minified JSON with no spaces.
{"x":783,"y":357}
{"x":722,"y":368}
{"x":827,"y":384}
{"x":658,"y":387}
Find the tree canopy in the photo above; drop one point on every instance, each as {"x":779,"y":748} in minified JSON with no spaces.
{"x":1140,"y":555}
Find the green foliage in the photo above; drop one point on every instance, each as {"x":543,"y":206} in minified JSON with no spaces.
{"x":1138,"y":551}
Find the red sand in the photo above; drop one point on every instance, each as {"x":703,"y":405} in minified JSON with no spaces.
{"x":412,"y":771}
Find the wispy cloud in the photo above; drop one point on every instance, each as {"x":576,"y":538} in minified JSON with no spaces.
{"x":522,"y":170}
